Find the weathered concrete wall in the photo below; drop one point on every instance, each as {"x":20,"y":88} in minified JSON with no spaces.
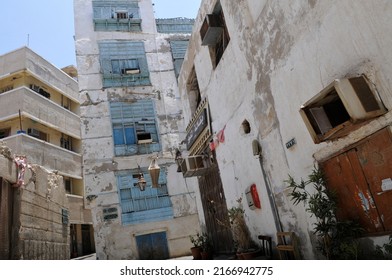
{"x":280,"y":55}
{"x":38,"y":232}
{"x":25,"y":59}
{"x":114,"y":240}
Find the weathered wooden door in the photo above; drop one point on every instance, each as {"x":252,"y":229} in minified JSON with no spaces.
{"x":215,"y":211}
{"x":6,"y":198}
{"x":152,"y":246}
{"x":362,"y":179}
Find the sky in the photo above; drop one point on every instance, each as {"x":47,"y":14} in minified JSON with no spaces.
{"x":47,"y":26}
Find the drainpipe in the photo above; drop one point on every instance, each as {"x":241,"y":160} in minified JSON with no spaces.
{"x":257,"y":151}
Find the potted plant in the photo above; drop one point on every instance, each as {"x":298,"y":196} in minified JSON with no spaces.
{"x":246,"y":247}
{"x":197,"y":241}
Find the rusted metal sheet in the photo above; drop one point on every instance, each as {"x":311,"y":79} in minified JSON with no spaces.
{"x":362,"y":179}
{"x":215,"y":211}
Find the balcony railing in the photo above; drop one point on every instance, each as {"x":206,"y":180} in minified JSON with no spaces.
{"x":40,"y":108}
{"x":45,"y":154}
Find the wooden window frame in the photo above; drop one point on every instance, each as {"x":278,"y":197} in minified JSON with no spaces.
{"x":347,"y":98}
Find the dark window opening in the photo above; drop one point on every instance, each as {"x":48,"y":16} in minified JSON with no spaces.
{"x":121,"y":15}
{"x":68,"y":186}
{"x":40,"y":90}
{"x":193,"y":91}
{"x":246,"y":127}
{"x":326,"y":116}
{"x":5,"y":132}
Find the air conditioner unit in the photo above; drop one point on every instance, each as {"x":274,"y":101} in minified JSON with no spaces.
{"x":33,"y":132}
{"x":194,"y":166}
{"x":211,"y":30}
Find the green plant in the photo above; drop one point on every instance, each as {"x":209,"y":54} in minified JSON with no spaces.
{"x":197,"y":240}
{"x":336,"y":239}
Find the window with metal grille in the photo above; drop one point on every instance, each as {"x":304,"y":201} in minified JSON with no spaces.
{"x":134,"y":127}
{"x":152,"y":204}
{"x":116,"y":16}
{"x":123,"y":64}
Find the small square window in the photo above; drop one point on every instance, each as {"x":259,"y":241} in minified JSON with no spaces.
{"x":121,"y":14}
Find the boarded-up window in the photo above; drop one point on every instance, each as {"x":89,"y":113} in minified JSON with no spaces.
{"x":123,"y":64}
{"x":152,"y":204}
{"x":362,"y":179}
{"x":134,"y":127}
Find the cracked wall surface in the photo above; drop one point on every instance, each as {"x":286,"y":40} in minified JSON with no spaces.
{"x":113,"y":239}
{"x":279,"y":56}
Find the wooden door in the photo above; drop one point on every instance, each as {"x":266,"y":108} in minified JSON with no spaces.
{"x":215,"y":211}
{"x":362,"y":180}
{"x":6,"y":198}
{"x":152,"y":246}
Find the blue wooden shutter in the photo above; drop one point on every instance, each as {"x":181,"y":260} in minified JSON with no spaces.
{"x":115,"y":55}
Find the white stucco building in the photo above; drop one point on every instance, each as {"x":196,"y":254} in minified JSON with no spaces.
{"x":131,"y":115}
{"x":307,"y":83}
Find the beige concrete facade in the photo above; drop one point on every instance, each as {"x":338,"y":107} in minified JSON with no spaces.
{"x":39,"y":118}
{"x":280,"y":55}
{"x":33,"y":225}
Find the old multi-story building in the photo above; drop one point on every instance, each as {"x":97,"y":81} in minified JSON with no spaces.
{"x":132,"y":120}
{"x":272,"y":90}
{"x":39,"y":119}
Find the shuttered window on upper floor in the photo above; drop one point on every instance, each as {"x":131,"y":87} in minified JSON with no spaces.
{"x":175,"y":25}
{"x":123,"y":64}
{"x":116,"y":16}
{"x":178,"y":49}
{"x":134,"y":127}
{"x":150,"y":205}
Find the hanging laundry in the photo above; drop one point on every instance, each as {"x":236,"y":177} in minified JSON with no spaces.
{"x":221,"y":135}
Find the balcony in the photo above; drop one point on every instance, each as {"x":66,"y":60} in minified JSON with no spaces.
{"x":25,"y":60}
{"x":46,"y":154}
{"x":40,"y":109}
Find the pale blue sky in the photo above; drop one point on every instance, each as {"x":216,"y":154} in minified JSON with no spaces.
{"x":48,"y":25}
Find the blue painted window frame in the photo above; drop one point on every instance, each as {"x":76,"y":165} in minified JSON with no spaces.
{"x":131,"y":121}
{"x":150,"y":205}
{"x":105,"y":16}
{"x":118,"y":56}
